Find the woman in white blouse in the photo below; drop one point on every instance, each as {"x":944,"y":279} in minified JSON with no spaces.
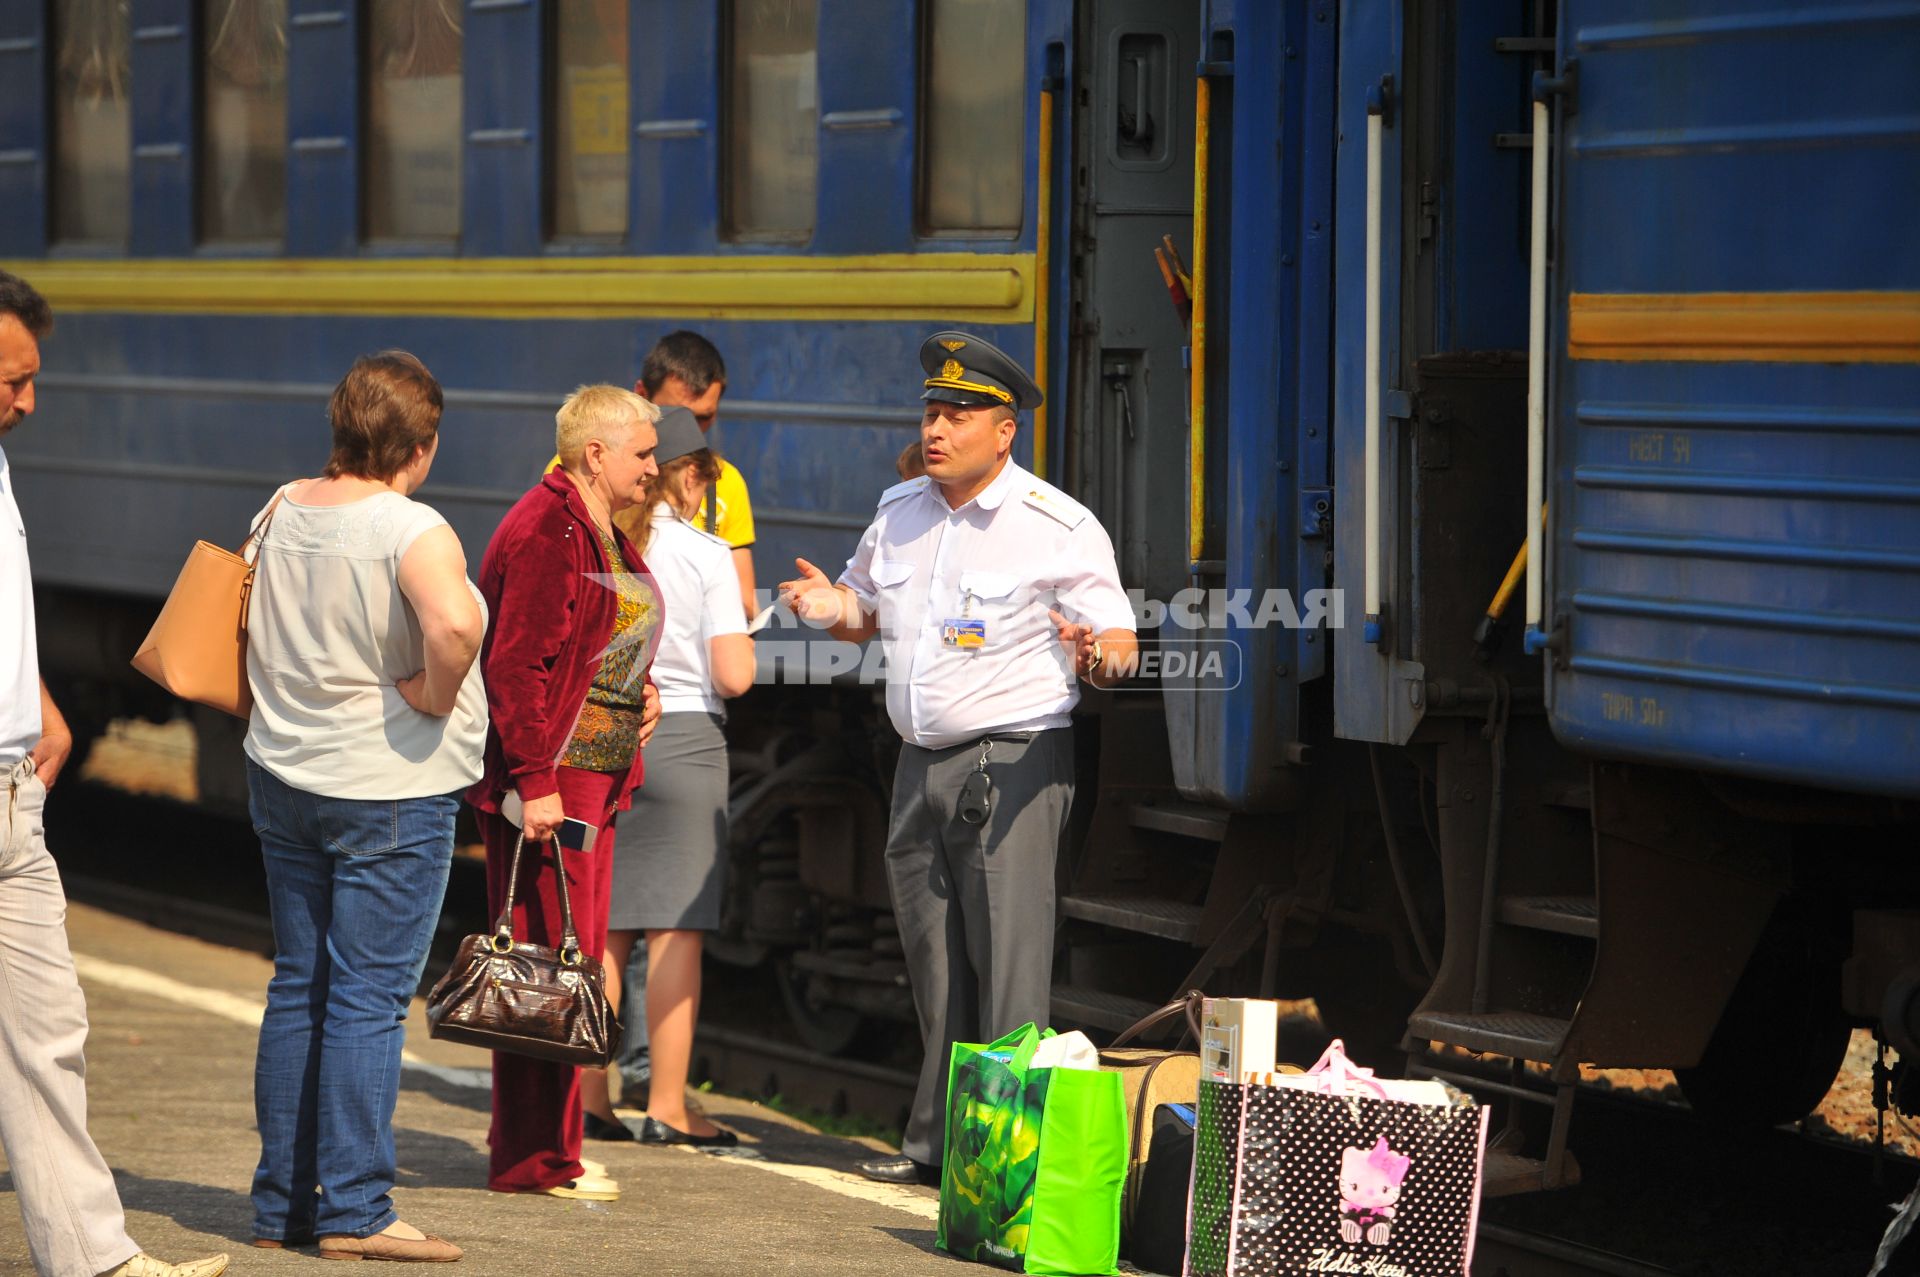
{"x":368,"y":720}
{"x":667,"y":880}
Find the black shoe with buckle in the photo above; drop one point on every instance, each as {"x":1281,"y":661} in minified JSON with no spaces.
{"x":900,"y":1170}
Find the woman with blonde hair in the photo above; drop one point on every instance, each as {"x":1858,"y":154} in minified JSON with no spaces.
{"x":667,"y":877}
{"x":575,"y":620}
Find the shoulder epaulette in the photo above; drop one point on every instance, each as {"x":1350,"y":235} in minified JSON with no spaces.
{"x":906,"y":489}
{"x":1057,"y":505}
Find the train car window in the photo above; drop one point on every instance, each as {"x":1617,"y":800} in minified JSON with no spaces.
{"x":773,"y":110}
{"x":243,"y":160}
{"x":974,"y":111}
{"x":92,"y":136}
{"x":412,"y":152}
{"x":589,"y":150}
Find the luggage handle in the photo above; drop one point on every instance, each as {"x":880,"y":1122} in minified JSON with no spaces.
{"x":1188,"y":1002}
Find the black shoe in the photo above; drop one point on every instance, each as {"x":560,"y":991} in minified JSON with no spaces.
{"x":599,"y":1128}
{"x":901,"y":1170}
{"x":655,"y":1131}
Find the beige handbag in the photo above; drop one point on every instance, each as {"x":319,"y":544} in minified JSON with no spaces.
{"x":197,"y":648}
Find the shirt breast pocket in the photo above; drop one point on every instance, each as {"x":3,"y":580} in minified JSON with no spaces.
{"x":997,"y":599}
{"x":890,"y":574}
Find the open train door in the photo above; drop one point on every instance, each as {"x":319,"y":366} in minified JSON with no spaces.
{"x":1133,"y":105}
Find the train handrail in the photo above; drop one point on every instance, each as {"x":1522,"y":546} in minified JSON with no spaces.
{"x":1042,"y":280}
{"x":1535,"y":638}
{"x":1376,"y":143}
{"x":1197,"y":340}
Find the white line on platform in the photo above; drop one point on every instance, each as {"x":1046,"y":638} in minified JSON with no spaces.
{"x":240,"y":1010}
{"x":246,"y":1011}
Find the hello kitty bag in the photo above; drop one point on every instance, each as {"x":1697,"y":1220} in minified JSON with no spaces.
{"x":1334,"y":1171}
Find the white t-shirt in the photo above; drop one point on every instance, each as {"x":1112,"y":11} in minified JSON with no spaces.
{"x":990,"y":570}
{"x":700,"y":594}
{"x":19,"y":658}
{"x":328,"y":636}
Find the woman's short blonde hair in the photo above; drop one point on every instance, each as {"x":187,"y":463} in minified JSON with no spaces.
{"x":606,"y":413}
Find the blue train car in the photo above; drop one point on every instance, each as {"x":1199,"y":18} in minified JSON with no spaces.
{"x":1626,"y":285}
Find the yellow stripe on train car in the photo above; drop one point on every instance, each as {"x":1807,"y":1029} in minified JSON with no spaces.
{"x":1836,"y":328}
{"x":958,"y":287}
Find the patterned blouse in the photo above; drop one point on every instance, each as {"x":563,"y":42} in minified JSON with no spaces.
{"x":608,"y":734}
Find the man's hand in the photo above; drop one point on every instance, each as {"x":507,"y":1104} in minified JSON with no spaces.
{"x":649,"y":713}
{"x":811,"y":597}
{"x":539,"y":818}
{"x":55,"y":745}
{"x":1078,"y":640}
{"x":50,"y":754}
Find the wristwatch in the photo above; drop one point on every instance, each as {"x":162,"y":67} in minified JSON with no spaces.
{"x":1099,"y":659}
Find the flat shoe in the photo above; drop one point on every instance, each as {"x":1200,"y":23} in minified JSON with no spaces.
{"x":599,"y":1128}
{"x":283,"y":1243}
{"x":655,"y":1131}
{"x":588,"y":1188}
{"x":400,"y":1250}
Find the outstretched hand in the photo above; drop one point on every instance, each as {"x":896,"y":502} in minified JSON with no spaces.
{"x":811,"y":596}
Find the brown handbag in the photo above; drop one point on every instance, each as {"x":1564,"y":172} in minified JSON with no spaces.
{"x":525,"y":998}
{"x":197,"y":648}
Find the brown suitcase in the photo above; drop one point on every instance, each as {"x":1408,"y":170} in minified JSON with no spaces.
{"x":1150,"y":1077}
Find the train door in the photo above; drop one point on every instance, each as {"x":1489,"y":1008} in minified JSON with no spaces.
{"x":1132,"y":184}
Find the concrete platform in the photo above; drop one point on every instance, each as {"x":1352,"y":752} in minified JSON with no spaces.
{"x":170,"y":1081}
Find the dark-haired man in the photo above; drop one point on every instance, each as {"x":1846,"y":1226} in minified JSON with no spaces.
{"x":685,"y":368}
{"x":74,"y":1222}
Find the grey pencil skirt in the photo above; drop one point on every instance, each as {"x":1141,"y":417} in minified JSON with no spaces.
{"x":670,"y":862}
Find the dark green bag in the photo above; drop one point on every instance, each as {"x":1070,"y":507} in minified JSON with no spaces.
{"x":1036,"y":1160}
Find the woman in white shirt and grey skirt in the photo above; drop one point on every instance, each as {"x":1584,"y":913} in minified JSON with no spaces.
{"x":667,"y":879}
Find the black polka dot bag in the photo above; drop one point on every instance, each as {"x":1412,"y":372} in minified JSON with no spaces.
{"x":1334,"y":1171}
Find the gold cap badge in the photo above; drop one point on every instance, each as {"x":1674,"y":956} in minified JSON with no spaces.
{"x":951,"y":370}
{"x":950,"y":346}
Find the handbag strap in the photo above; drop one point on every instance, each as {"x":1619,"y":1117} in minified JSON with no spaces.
{"x":1188,"y":1002}
{"x":257,"y":535}
{"x":503,"y":925}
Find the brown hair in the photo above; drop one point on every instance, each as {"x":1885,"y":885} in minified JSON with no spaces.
{"x":384,"y":410}
{"x":704,"y":462}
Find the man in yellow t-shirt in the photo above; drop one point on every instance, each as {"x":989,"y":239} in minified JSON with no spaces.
{"x":685,"y":369}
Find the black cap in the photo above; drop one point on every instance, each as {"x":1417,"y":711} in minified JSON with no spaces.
{"x":963,"y":369}
{"x":679,"y":432}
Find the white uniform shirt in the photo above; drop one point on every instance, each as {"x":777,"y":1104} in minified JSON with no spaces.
{"x":1002,"y":559}
{"x":19,"y":658}
{"x":700,"y":596}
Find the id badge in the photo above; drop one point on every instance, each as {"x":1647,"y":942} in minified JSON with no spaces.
{"x":963,"y":634}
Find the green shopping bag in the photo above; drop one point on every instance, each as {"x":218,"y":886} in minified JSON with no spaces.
{"x":1036,"y":1160}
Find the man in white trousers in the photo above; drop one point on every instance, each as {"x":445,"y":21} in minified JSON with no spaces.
{"x":75,"y":1227}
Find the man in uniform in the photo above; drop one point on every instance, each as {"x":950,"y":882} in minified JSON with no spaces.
{"x":993,"y":593}
{"x":74,"y":1222}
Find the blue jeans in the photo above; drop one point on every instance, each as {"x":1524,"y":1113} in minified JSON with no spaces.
{"x":356,"y":889}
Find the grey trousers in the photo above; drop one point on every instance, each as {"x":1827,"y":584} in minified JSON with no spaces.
{"x":975,"y":903}
{"x":71,"y":1209}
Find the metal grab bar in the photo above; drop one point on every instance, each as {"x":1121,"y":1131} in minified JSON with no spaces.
{"x":1043,"y":282}
{"x":1376,"y":130}
{"x":1537,"y":379}
{"x":1197,"y":374}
